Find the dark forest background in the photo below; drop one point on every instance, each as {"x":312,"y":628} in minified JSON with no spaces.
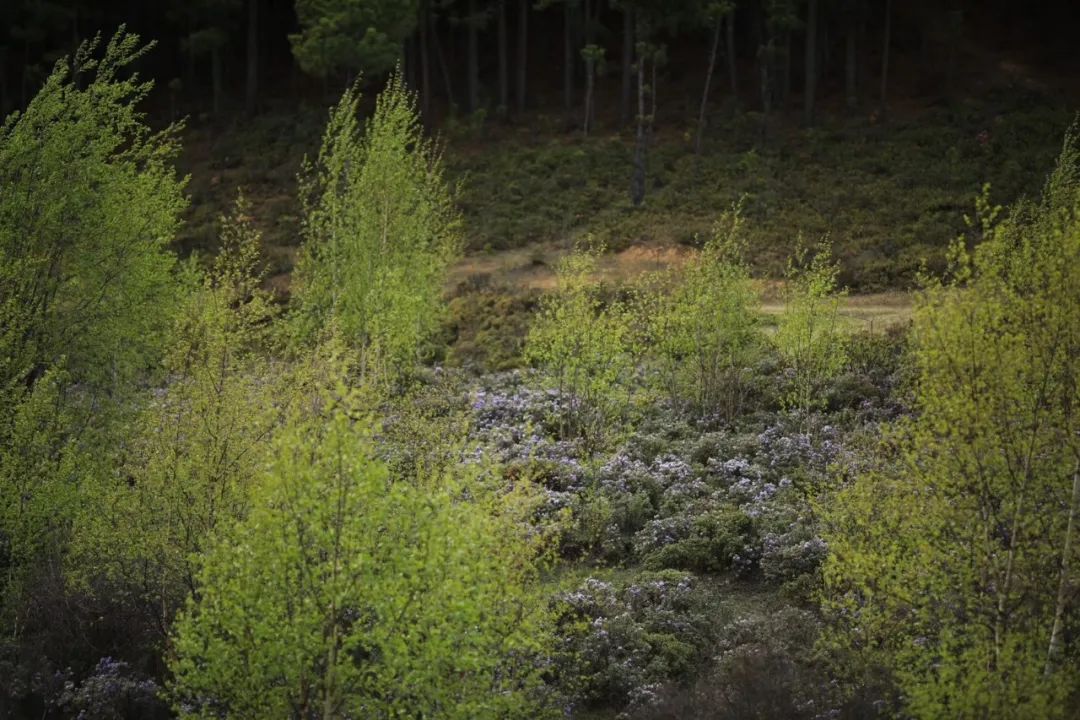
{"x":514,"y":56}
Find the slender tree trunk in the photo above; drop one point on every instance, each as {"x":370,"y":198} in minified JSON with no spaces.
{"x":425,"y":67}
{"x":1054,"y":649}
{"x":788,"y":60}
{"x":885,"y":56}
{"x":568,"y":57}
{"x":708,"y":85}
{"x":627,"y":66}
{"x":590,"y":66}
{"x":25,"y":80}
{"x":811,"y":62}
{"x":733,"y":75}
{"x":251,"y":95}
{"x":473,"y":59}
{"x":523,"y":54}
{"x":851,"y":60}
{"x":764,"y":54}
{"x":590,"y":82}
{"x":504,"y":62}
{"x":216,"y":78}
{"x":637,"y":185}
{"x":444,"y":69}
{"x":3,"y":83}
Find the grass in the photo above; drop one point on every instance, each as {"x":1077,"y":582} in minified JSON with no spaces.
{"x":890,"y":196}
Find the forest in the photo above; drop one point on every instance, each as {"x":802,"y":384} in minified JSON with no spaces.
{"x":596,"y":359}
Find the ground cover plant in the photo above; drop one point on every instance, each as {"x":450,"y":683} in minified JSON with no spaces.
{"x":565,"y":417}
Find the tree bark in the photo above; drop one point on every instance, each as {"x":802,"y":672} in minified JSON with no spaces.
{"x":523,"y":55}
{"x":708,"y":85}
{"x":811,"y":62}
{"x":590,"y":82}
{"x":473,"y":59}
{"x":504,"y":62}
{"x":851,"y":60}
{"x":216,"y":78}
{"x":443,"y":67}
{"x":733,"y":75}
{"x":885,"y":56}
{"x":3,"y":83}
{"x":568,"y":56}
{"x":627,"y":66}
{"x":1063,"y":578}
{"x":425,"y":67}
{"x":590,"y":63}
{"x":637,"y":183}
{"x":251,"y":96}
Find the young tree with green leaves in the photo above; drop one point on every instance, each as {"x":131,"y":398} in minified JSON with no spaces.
{"x":704,"y":327}
{"x":351,"y":593}
{"x":954,"y":563}
{"x":198,"y":447}
{"x":810,"y":338}
{"x":587,"y":345}
{"x":380,"y":230}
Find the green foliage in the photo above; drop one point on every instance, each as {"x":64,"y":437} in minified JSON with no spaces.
{"x":809,"y":336}
{"x":37,"y":468}
{"x":89,"y":201}
{"x":88,"y":204}
{"x":380,"y":230}
{"x":348,"y":592}
{"x":704,"y":327}
{"x":588,"y":347}
{"x":358,"y":36}
{"x":957,"y":554}
{"x":197,"y":448}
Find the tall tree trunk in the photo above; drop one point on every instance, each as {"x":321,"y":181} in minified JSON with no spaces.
{"x":425,"y":67}
{"x":851,"y":60}
{"x":733,"y":75}
{"x":708,"y":85}
{"x":591,"y":56}
{"x":885,"y":56}
{"x":504,"y":62}
{"x":473,"y":59}
{"x":785,"y":85}
{"x":764,"y":58}
{"x":627,"y":65}
{"x":637,"y":183}
{"x":216,"y":77}
{"x":3,"y":83}
{"x":444,"y":69}
{"x":251,"y":95}
{"x":568,"y":56}
{"x":811,"y":62}
{"x":523,"y":54}
{"x":1063,"y":577}
{"x":590,"y":82}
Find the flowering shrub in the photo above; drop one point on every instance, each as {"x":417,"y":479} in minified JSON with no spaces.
{"x":111,"y":691}
{"x":620,"y":643}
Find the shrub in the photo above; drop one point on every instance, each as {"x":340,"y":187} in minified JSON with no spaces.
{"x":587,"y":347}
{"x":703,"y":325}
{"x":809,"y":336}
